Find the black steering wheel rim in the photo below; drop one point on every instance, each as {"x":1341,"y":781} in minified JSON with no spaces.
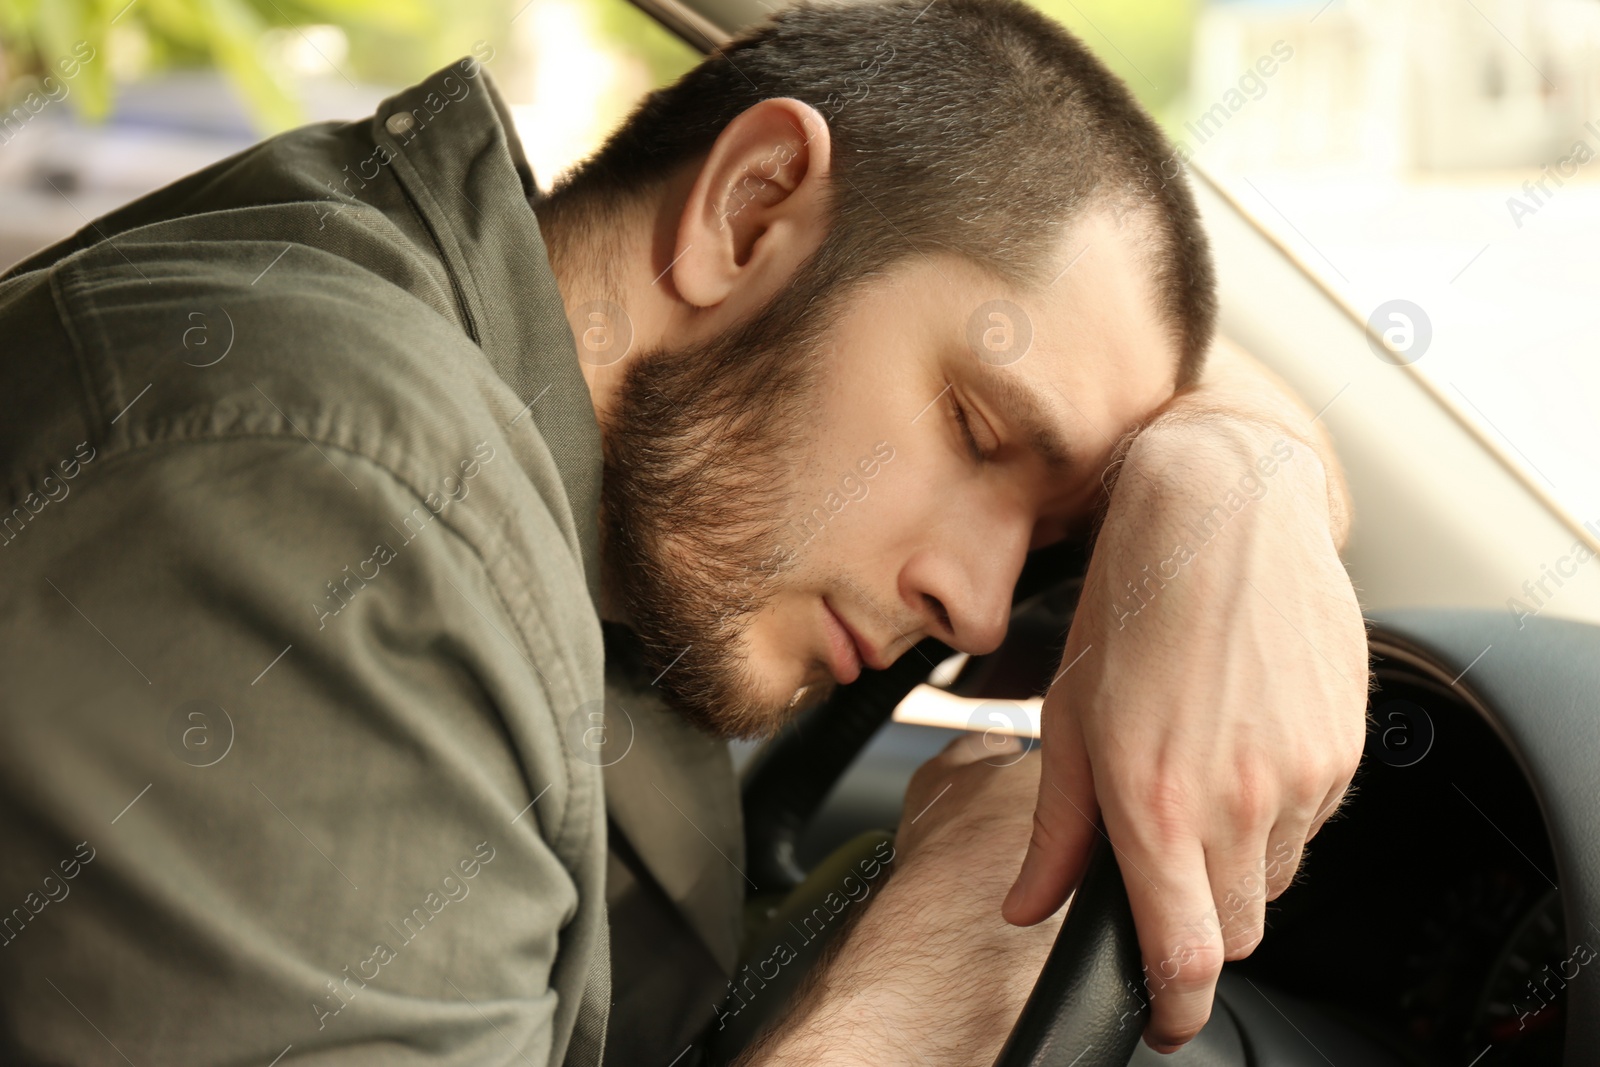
{"x":1087,"y":1007}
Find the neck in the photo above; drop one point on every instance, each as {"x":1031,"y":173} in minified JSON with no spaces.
{"x":595,"y":253}
{"x":611,"y":266}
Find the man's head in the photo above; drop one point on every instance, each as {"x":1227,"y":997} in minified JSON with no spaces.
{"x":841,"y":244}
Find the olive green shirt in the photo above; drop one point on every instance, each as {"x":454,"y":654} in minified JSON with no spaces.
{"x":299,"y":636}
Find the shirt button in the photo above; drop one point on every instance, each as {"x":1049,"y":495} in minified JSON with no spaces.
{"x":400,"y":123}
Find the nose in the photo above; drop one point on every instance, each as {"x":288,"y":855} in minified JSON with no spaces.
{"x":961,"y":579}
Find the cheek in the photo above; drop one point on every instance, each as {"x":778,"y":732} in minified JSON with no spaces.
{"x":878,"y":464}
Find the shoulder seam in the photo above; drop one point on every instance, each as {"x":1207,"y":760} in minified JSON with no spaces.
{"x":94,"y":413}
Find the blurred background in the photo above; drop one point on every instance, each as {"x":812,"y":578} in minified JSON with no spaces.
{"x":1442,"y":152}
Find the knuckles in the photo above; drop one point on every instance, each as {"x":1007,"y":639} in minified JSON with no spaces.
{"x":1307,"y":780}
{"x":1162,"y":804}
{"x":1202,"y":969}
{"x":1244,"y":941}
{"x":1251,"y":801}
{"x":1192,"y":967}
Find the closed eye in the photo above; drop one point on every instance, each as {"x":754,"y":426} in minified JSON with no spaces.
{"x":959,"y":413}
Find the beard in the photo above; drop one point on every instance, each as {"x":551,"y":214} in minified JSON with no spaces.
{"x":700,"y":454}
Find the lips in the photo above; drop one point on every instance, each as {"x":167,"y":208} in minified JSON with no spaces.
{"x":844,"y":653}
{"x":849,"y":650}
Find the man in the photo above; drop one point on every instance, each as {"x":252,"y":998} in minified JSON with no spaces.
{"x":321,"y":509}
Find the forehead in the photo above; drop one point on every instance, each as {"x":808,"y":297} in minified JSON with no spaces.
{"x":1070,"y":364}
{"x":1101,"y":348}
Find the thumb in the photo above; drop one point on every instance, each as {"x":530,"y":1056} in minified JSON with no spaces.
{"x":1064,"y":825}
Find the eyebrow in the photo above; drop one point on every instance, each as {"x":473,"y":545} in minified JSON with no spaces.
{"x":1026,"y":409}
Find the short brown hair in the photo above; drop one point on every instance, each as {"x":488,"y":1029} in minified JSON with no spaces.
{"x":975,"y":127}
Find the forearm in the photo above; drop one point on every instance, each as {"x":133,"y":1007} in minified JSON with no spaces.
{"x":899,"y":989}
{"x":1241,"y":408}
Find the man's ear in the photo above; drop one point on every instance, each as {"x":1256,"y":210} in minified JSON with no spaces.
{"x":757,"y":209}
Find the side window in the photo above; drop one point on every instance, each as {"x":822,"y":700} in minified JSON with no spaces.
{"x":585,"y":66}
{"x":102,"y":103}
{"x":1437,"y":166}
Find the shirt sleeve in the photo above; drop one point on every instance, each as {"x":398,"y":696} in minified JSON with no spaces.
{"x":259,"y":796}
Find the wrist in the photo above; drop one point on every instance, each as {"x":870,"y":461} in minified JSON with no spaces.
{"x":1184,"y":460}
{"x":1196,"y":465}
{"x":1199,"y":511}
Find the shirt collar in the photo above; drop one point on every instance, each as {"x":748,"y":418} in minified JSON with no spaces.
{"x":457,"y":154}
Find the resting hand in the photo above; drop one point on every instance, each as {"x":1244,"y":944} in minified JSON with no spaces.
{"x":1210,"y":705}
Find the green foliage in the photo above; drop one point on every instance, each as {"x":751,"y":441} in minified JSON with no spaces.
{"x":36,"y":35}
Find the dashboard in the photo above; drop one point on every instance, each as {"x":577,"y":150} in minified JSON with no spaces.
{"x":1427,"y":915}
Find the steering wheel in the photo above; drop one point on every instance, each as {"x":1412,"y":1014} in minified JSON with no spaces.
{"x":1089,"y":1005}
{"x":1085,"y":1009}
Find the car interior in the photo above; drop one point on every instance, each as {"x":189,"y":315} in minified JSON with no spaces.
{"x":1449,"y":915}
{"x":1441,"y":918}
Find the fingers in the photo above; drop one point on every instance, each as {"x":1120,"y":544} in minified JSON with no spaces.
{"x":976,"y":787}
{"x":1064,"y":823}
{"x":1290,"y":835}
{"x":1330,"y":807}
{"x":1171,"y":897}
{"x":933,"y":779}
{"x":1193,"y":916}
{"x":1239,"y":891}
{"x":1256,"y":866}
{"x":1287,"y":848}
{"x":1289,"y":838}
{"x":972,"y":747}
